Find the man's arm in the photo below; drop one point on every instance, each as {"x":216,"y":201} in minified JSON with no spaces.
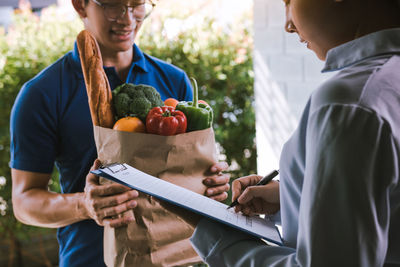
{"x":34,"y":205}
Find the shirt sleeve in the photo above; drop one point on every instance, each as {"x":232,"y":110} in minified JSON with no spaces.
{"x":351,"y":165}
{"x":33,"y":131}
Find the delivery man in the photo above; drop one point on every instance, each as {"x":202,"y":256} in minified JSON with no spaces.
{"x":51,"y":124}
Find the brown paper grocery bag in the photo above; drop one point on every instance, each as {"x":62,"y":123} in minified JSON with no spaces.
{"x":156,"y":237}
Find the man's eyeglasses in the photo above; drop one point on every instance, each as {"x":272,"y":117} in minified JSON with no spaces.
{"x":139,"y":11}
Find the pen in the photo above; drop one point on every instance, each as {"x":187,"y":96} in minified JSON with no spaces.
{"x":265,"y":180}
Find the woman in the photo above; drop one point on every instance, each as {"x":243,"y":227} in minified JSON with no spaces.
{"x":339,"y":190}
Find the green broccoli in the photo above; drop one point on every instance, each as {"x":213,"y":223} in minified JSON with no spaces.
{"x":135,"y":100}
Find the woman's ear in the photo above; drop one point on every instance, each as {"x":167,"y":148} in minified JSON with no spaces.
{"x":79,"y":6}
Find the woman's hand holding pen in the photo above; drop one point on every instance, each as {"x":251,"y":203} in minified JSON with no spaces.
{"x":253,"y":200}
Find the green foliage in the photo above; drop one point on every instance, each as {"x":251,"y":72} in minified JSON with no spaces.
{"x":218,"y":57}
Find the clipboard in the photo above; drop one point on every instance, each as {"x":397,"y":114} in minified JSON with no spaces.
{"x":166,"y":191}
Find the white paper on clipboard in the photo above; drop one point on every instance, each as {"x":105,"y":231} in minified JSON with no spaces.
{"x":131,"y":177}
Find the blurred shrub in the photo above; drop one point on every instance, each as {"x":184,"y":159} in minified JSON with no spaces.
{"x":218,"y":57}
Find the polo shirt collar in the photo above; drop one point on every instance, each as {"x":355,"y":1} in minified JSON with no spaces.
{"x":139,"y":59}
{"x":76,"y":61}
{"x":374,"y":44}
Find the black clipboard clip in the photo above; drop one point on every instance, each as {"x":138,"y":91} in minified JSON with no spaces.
{"x":114,"y":167}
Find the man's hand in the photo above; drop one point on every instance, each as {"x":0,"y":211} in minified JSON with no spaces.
{"x":263,"y":199}
{"x":217,"y":183}
{"x":104,"y":203}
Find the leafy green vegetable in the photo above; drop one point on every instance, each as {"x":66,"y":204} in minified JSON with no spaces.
{"x":135,"y":100}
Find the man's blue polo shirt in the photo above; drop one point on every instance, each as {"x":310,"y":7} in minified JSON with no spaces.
{"x":51,"y":124}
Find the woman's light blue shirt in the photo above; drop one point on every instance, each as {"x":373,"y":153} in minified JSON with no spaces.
{"x":340,"y":190}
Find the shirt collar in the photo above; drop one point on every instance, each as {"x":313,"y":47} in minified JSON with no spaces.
{"x":76,"y":61}
{"x":138,"y":60}
{"x":371,"y":45}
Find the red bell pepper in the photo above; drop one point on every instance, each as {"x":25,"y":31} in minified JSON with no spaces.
{"x":165,"y":121}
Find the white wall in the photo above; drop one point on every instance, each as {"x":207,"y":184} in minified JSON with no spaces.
{"x":5,"y":16}
{"x":286,"y":72}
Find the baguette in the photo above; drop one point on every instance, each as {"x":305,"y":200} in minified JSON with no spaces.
{"x":97,"y":85}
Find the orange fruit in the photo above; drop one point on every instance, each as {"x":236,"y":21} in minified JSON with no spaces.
{"x":130,"y":124}
{"x":172,"y":102}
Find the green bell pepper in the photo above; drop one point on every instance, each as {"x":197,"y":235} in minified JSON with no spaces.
{"x":199,"y":116}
